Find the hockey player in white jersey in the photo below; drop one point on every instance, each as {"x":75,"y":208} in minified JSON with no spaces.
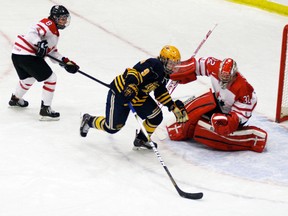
{"x":28,"y":55}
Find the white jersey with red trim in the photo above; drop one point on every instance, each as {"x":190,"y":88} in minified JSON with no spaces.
{"x":239,"y":97}
{"x":44,"y":30}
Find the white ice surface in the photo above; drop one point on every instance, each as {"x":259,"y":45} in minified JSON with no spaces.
{"x":47,"y":169}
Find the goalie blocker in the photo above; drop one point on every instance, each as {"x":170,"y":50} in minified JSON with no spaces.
{"x":200,"y":129}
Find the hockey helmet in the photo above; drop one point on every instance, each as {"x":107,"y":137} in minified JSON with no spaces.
{"x":60,"y":15}
{"x":227,"y":72}
{"x":170,"y":57}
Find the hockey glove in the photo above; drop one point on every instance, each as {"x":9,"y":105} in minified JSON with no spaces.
{"x":179,"y":111}
{"x":130,"y":91}
{"x":185,"y":72}
{"x":70,"y":66}
{"x":225,"y":124}
{"x":41,"y":48}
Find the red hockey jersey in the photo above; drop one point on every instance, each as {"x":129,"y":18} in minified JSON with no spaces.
{"x":239,"y":97}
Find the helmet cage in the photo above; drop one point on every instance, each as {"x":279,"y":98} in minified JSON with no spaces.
{"x":60,"y":15}
{"x":168,"y":64}
{"x":170,"y":57}
{"x":227,"y":72}
{"x":62,"y":21}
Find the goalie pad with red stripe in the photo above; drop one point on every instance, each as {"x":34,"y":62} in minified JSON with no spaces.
{"x":195,"y":109}
{"x":247,"y":138}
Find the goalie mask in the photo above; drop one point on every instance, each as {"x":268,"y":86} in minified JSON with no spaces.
{"x":227,"y":72}
{"x":170,"y":57}
{"x":60,"y":15}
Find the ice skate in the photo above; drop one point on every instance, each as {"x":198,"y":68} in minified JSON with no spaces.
{"x":141,"y":142}
{"x":47,"y":114}
{"x":84,"y":126}
{"x":17,"y":102}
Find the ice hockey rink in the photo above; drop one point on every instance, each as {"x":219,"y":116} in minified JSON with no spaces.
{"x":47,"y":169}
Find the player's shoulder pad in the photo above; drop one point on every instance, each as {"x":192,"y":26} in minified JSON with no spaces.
{"x":157,"y":67}
{"x":150,"y":67}
{"x":156,"y":64}
{"x":50,"y":24}
{"x":241,"y":86}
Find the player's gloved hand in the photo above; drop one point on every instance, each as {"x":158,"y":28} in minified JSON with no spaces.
{"x":224,"y":124}
{"x":130,"y":91}
{"x":70,"y":66}
{"x":179,"y":111}
{"x":42,"y":48}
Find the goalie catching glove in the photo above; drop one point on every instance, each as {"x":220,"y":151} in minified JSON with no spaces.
{"x":70,"y":66}
{"x":225,"y":124}
{"x":179,"y":111}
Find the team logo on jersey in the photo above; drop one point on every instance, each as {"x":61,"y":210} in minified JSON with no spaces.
{"x":150,"y":87}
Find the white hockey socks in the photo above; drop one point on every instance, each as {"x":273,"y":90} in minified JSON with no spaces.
{"x":23,"y":86}
{"x":48,"y":89}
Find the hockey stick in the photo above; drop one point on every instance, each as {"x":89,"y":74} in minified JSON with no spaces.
{"x":180,"y":192}
{"x":173,"y":84}
{"x":79,"y":71}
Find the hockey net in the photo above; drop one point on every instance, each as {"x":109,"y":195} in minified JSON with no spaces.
{"x":282,"y":98}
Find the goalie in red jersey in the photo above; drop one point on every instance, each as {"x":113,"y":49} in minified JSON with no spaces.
{"x":218,"y":119}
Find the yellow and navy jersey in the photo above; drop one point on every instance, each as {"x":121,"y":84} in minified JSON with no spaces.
{"x":149,"y":76}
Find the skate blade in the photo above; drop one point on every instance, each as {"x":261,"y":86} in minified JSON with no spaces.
{"x":83,"y":134}
{"x":141,"y":148}
{"x":48,"y":118}
{"x":17,"y":107}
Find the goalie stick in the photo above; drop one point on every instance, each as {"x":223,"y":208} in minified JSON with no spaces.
{"x":173,"y":84}
{"x":180,"y":192}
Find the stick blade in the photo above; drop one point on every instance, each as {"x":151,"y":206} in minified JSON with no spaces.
{"x":194,"y":196}
{"x":186,"y":195}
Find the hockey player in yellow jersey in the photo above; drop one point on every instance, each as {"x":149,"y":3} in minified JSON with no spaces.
{"x":135,"y":86}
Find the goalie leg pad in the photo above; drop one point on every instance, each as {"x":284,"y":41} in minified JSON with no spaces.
{"x":200,"y":105}
{"x":180,"y":131}
{"x":195,"y":109}
{"x":247,"y":138}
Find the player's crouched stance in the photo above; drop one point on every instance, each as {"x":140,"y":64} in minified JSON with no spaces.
{"x":135,"y":86}
{"x":218,"y":119}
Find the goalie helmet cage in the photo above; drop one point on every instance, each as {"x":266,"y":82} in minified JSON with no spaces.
{"x":282,"y":98}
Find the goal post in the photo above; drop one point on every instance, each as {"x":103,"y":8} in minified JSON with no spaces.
{"x":282,"y":97}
